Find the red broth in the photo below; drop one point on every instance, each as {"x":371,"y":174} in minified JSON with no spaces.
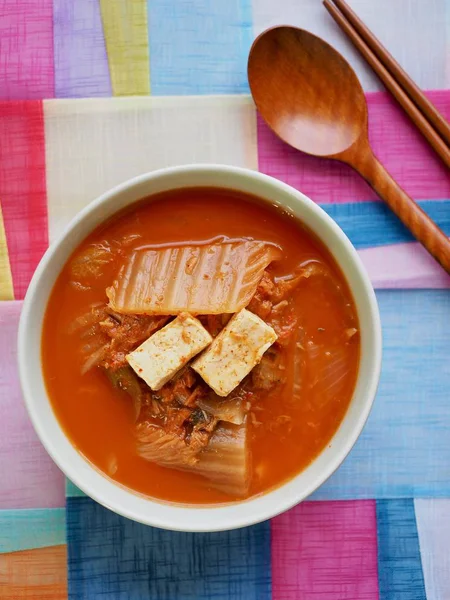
{"x":288,"y":427}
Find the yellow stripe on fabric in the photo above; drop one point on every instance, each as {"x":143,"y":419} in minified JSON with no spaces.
{"x":126,"y":34}
{"x":6,"y":283}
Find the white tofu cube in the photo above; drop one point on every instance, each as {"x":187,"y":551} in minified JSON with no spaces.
{"x":234,"y":352}
{"x":164,"y":353}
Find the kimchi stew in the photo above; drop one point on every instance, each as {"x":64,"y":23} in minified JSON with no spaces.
{"x":201,"y":346}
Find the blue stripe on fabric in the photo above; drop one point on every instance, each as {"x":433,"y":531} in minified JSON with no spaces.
{"x":199,"y":46}
{"x":404,"y":450}
{"x":72,"y":490}
{"x":372,"y":224}
{"x":400,"y":575}
{"x":26,"y":529}
{"x":112,"y":557}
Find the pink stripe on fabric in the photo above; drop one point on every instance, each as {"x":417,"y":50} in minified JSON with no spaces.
{"x":28,"y":476}
{"x":403,"y":266}
{"x":325,"y":551}
{"x":396,"y":142}
{"x":23,"y":188}
{"x":26,"y":49}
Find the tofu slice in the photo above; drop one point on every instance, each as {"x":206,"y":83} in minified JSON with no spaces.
{"x":164,"y":353}
{"x":234,"y":352}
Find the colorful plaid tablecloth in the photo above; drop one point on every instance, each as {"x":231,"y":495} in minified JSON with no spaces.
{"x":96,"y":91}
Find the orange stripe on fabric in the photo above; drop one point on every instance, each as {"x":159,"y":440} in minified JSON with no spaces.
{"x":6,"y":285}
{"x":39,"y":574}
{"x":23,"y":188}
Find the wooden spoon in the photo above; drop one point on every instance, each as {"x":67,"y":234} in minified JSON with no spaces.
{"x":311,"y":98}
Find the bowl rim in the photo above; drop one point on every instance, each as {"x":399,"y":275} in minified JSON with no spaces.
{"x":216,"y":517}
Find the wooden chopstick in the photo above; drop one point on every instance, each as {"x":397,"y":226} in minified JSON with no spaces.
{"x":427,"y":127}
{"x":413,"y":91}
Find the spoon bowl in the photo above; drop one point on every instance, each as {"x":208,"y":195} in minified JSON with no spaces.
{"x":312,"y":99}
{"x":306,"y":91}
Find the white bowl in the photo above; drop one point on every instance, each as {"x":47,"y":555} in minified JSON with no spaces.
{"x":173,"y":516}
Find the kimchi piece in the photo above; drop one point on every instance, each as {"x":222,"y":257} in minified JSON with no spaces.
{"x":224,"y":462}
{"x":206,"y":279}
{"x":232,"y":409}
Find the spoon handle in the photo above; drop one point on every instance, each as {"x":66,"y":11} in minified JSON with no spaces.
{"x":412,"y":216}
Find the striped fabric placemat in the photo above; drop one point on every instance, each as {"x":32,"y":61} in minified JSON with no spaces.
{"x":94,"y":92}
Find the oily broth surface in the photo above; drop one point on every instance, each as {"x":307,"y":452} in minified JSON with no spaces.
{"x":99,"y":419}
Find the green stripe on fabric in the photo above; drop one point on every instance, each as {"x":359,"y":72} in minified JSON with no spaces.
{"x":32,"y":528}
{"x":72,"y":491}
